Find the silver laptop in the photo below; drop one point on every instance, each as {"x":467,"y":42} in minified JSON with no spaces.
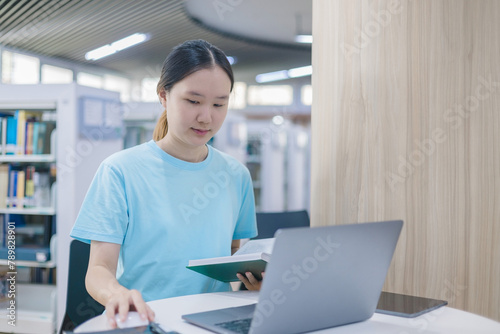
{"x":317,"y":278}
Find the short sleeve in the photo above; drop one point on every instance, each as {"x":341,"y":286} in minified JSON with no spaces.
{"x":104,"y":213}
{"x":246,"y":226}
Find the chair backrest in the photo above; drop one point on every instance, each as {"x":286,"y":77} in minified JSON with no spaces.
{"x":80,"y":306}
{"x":270,"y":222}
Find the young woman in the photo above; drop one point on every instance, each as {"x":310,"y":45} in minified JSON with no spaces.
{"x":152,"y":208}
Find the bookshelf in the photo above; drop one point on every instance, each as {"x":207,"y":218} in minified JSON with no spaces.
{"x":25,"y":171}
{"x":254,"y":164}
{"x":277,"y":157}
{"x":30,"y":211}
{"x":71,"y":162}
{"x":28,"y":158}
{"x":140,"y":121}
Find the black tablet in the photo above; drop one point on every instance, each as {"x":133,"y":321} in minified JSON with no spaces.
{"x":406,"y":306}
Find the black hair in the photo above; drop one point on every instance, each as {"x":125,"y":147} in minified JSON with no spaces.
{"x":185,"y":59}
{"x":189,"y":57}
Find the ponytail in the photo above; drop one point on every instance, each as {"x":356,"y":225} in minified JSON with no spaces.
{"x":161,"y":127}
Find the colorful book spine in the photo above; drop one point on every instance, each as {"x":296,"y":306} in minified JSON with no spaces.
{"x":20,"y":115}
{"x":4,"y":135}
{"x":11,"y":136}
{"x":28,"y":149}
{"x":12,"y":195}
{"x":36,"y":131}
{"x":4,"y":185}
{"x":2,"y":231}
{"x":30,"y":188}
{"x":21,"y":178}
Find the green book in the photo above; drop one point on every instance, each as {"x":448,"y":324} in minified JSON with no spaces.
{"x":252,"y":256}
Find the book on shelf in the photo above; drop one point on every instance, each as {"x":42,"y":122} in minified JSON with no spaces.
{"x":3,"y":137}
{"x":21,"y":178}
{"x":25,"y":133}
{"x":28,"y":253}
{"x":252,"y":257}
{"x":29,"y":192}
{"x":4,"y":284}
{"x":33,"y":236}
{"x":12,"y":190}
{"x":4,"y":185}
{"x":36,"y":136}
{"x":2,"y":231}
{"x":11,"y":136}
{"x":20,"y":116}
{"x":24,"y":187}
{"x":28,"y":149}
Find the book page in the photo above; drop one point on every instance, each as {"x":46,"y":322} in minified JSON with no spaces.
{"x":257,"y":246}
{"x":251,"y":250}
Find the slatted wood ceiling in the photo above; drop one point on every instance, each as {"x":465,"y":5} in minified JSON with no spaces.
{"x":67,"y":29}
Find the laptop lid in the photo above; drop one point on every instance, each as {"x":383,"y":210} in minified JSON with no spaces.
{"x":325,"y":276}
{"x":317,"y":278}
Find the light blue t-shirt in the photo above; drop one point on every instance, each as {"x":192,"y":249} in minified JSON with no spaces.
{"x":164,"y":212}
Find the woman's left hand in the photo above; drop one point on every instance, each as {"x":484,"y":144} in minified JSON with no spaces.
{"x":251,"y":283}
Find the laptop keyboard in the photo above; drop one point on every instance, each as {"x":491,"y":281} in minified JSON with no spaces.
{"x":238,"y":326}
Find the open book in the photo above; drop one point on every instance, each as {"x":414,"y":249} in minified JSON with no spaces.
{"x":252,"y":256}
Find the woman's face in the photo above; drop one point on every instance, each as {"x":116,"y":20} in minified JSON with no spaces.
{"x":197,"y":106}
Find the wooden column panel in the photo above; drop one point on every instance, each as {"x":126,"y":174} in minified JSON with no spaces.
{"x":405,"y":125}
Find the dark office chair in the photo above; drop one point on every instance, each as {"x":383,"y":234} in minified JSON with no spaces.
{"x":269,"y":222}
{"x":79,"y":305}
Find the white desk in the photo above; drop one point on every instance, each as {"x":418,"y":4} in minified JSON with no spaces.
{"x":443,"y":320}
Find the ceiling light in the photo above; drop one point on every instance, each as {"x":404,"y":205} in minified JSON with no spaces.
{"x":101,"y":52}
{"x":272,"y":76}
{"x":308,"y":39}
{"x":128,"y":41}
{"x":285,"y":74}
{"x":232,"y":60}
{"x":114,"y":47}
{"x":300,"y":71}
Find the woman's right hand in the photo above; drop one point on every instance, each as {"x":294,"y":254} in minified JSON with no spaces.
{"x":102,"y":285}
{"x":124,"y":301}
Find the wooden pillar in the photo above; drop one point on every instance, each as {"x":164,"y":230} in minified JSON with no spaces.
{"x":406,"y":125}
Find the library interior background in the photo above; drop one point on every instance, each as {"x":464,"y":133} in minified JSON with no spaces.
{"x":78,"y":83}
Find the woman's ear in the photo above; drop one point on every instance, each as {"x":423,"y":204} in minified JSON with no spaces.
{"x":163,"y":98}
